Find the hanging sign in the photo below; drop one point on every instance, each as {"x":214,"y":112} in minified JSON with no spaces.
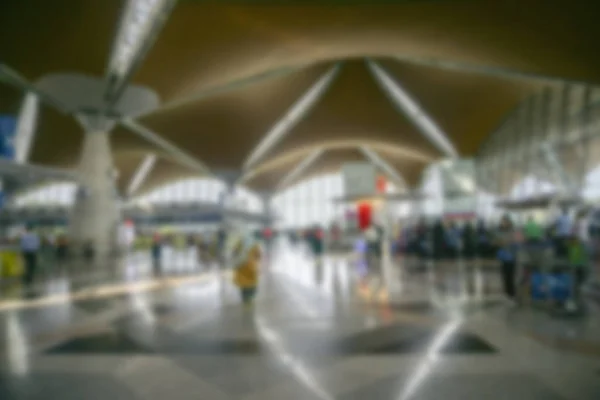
{"x":360,"y":179}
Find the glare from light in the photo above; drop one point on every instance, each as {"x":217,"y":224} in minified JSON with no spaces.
{"x":411,"y":108}
{"x":141,"y":173}
{"x":429,"y":360}
{"x":103,"y":291}
{"x":292,"y":117}
{"x":18,"y":354}
{"x":142,"y":308}
{"x":293,"y":363}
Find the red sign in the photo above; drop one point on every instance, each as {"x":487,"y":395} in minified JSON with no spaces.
{"x":364,"y":213}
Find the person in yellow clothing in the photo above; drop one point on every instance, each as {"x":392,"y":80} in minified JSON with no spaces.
{"x":246,"y":271}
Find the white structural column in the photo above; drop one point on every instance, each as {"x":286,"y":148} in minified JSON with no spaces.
{"x":96,"y":214}
{"x":26,"y":127}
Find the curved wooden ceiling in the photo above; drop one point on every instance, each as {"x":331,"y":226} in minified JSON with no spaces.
{"x":288,"y":45}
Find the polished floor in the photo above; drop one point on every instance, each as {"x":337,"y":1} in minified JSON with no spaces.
{"x":313,"y":333}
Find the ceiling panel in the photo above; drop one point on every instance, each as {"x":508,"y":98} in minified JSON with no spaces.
{"x":39,"y":37}
{"x":355,"y":108}
{"x":224,"y":129}
{"x":208,"y":43}
{"x":465,"y":105}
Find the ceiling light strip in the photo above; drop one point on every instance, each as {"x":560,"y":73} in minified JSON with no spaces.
{"x":413,"y":110}
{"x":499,"y":72}
{"x":181,"y":156}
{"x":32,"y":171}
{"x":292,"y":116}
{"x":300,"y":168}
{"x":141,"y":173}
{"x":379,"y":162}
{"x":140,"y":24}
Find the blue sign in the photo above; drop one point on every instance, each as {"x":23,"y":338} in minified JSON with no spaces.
{"x":8,"y":130}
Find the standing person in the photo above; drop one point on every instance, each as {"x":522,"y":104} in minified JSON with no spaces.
{"x":469,"y":253}
{"x":314,"y":238}
{"x":422,"y":242}
{"x":533,"y":232}
{"x":157,"y":245}
{"x":483,"y":241}
{"x":439,"y":250}
{"x":246,"y":257}
{"x":505,"y":240}
{"x":221,"y":241}
{"x":564,"y":230}
{"x":374,"y":238}
{"x":30,"y":246}
{"x":374,"y":261}
{"x":469,"y":241}
{"x":453,"y":240}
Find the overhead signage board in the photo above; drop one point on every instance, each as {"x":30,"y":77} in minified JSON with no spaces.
{"x":360,"y":179}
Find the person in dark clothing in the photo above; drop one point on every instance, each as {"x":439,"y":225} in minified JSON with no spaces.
{"x":157,"y":244}
{"x":452,"y":241}
{"x":484,"y":245}
{"x":469,"y":241}
{"x":30,"y":247}
{"x":439,"y":251}
{"x":88,"y":251}
{"x":438,"y":241}
{"x":314,"y":237}
{"x":505,"y":240}
{"x":422,"y":240}
{"x":469,"y":253}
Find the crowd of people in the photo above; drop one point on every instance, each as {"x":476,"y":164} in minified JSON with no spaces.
{"x":570,"y":241}
{"x":442,"y":241}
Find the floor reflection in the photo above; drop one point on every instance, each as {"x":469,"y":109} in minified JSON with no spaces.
{"x":318,"y":330}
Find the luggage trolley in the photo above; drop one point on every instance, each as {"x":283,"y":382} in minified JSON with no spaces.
{"x":543,"y":280}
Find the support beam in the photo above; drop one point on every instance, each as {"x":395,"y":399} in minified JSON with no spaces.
{"x":379,"y":162}
{"x":301,"y":167}
{"x":141,"y":173}
{"x":30,"y":172}
{"x":229,"y":87}
{"x":26,"y":127}
{"x":13,"y":78}
{"x":408,"y":106}
{"x":179,"y":155}
{"x":292,"y":117}
{"x":500,"y":72}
